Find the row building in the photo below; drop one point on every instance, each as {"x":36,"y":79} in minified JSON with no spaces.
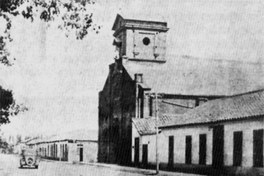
{"x":223,"y":136}
{"x":76,"y":146}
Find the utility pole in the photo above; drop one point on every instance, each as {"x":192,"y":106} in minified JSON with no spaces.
{"x":155,"y":95}
{"x":157,"y":134}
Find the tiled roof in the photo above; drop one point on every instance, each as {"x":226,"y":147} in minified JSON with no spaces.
{"x":193,"y":76}
{"x":236,"y":107}
{"x":79,"y":135}
{"x":147,"y":126}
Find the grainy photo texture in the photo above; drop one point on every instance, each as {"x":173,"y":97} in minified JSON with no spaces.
{"x":131,"y":87}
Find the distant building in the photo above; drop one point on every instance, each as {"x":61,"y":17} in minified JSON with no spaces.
{"x":142,"y":68}
{"x":223,"y":136}
{"x":77,"y":146}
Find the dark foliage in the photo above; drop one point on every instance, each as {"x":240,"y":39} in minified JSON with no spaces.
{"x":8,"y":106}
{"x":74,"y":15}
{"x":6,"y":100}
{"x":3,"y":144}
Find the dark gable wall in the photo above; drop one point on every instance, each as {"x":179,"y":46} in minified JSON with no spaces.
{"x":116,"y":108}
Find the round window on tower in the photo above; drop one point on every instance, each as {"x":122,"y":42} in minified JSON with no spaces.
{"x":146,"y":41}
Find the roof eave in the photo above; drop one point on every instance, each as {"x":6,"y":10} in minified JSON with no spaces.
{"x":212,"y":122}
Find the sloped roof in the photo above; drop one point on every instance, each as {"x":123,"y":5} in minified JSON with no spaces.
{"x":31,"y":141}
{"x":147,"y":126}
{"x":186,"y":75}
{"x":140,"y":17}
{"x":79,"y":135}
{"x":248,"y":105}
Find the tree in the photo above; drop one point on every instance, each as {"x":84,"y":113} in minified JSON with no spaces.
{"x":8,"y":106}
{"x":3,"y":144}
{"x":19,"y":139}
{"x":73,"y":14}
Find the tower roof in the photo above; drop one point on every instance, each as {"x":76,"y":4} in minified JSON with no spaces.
{"x":128,"y":23}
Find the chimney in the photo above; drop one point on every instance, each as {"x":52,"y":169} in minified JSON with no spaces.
{"x":139,"y":78}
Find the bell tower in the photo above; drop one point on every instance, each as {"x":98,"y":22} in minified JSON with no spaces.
{"x":140,"y":40}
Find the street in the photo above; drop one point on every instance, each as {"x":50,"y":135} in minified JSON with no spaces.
{"x":9,"y":166}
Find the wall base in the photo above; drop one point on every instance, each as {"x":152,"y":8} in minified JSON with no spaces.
{"x":207,"y":169}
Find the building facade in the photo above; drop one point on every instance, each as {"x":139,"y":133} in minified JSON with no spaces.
{"x":144,"y":140}
{"x":223,"y":136}
{"x":77,"y":146}
{"x":142,"y":70}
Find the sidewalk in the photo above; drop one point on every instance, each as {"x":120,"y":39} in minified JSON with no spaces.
{"x":126,"y":169}
{"x":139,"y":170}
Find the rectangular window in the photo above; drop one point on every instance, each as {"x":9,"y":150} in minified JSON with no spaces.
{"x":202,"y":149}
{"x":150,"y":106}
{"x":238,"y":148}
{"x":258,"y":148}
{"x":65,"y":151}
{"x":188,"y":150}
{"x":142,"y":106}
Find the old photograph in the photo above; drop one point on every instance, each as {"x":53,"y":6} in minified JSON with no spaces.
{"x":131,"y":87}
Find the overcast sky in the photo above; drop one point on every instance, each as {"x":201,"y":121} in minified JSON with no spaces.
{"x":59,"y":78}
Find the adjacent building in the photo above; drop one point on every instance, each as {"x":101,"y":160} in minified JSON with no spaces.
{"x":223,"y":136}
{"x":144,"y":140}
{"x":142,"y":70}
{"x":77,"y":146}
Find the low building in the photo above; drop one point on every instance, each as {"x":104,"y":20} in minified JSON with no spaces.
{"x":144,"y":140}
{"x":223,"y":136}
{"x":77,"y":146}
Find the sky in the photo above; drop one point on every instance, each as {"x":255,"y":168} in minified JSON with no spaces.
{"x":59,"y":78}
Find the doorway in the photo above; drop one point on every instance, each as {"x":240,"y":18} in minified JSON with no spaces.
{"x":188,"y":150}
{"x":136,"y":154}
{"x":81,"y":154}
{"x":171,"y":152}
{"x":145,"y":155}
{"x":258,"y":148}
{"x":218,"y":146}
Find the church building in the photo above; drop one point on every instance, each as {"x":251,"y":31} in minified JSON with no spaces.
{"x":144,"y":80}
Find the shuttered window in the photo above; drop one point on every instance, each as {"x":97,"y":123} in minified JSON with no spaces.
{"x":171,"y":151}
{"x":188,"y":150}
{"x":202,"y":149}
{"x":238,"y":148}
{"x":258,"y":148}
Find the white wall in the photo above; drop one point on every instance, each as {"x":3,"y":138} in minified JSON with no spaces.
{"x":90,"y":150}
{"x":179,"y":144}
{"x":229,"y":128}
{"x":146,"y":139}
{"x":151,"y":141}
{"x":72,"y":152}
{"x":247,"y":147}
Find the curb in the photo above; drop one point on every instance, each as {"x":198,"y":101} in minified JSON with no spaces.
{"x":123,"y":168}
